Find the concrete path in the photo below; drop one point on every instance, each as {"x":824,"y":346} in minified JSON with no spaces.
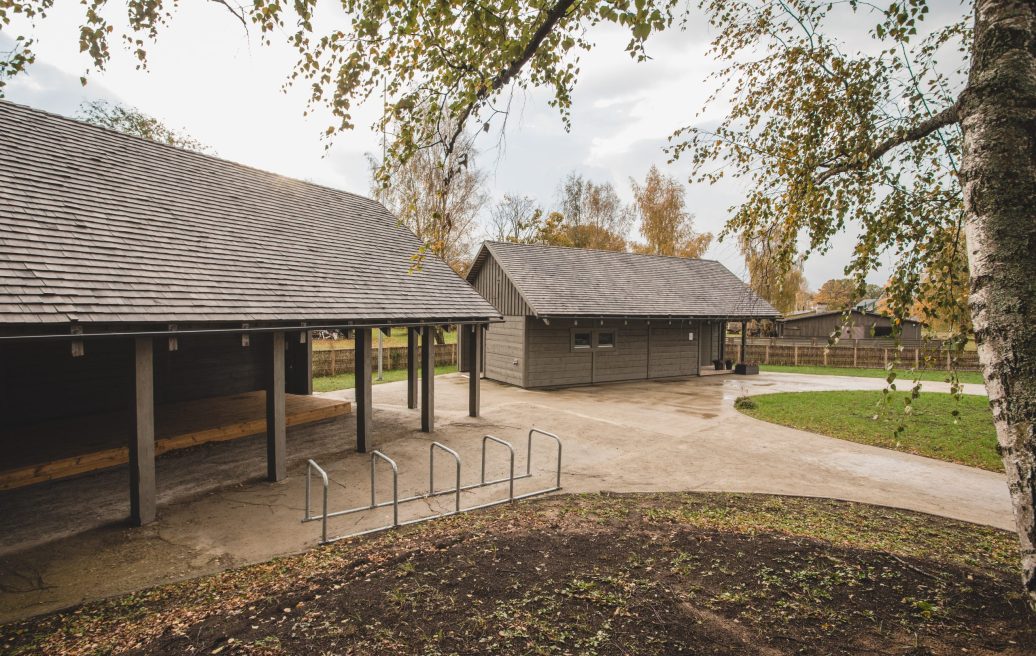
{"x":65,"y":542}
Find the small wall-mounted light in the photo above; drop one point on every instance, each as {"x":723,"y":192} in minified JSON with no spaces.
{"x":303,"y":333}
{"x":174,"y":342}
{"x":78,"y":347}
{"x":246,"y":339}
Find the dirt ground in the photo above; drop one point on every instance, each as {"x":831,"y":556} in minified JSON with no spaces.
{"x":67,"y":542}
{"x":594,"y":574}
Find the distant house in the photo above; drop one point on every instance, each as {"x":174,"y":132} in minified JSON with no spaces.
{"x":576,"y":316}
{"x":154,"y":298}
{"x":861,"y":325}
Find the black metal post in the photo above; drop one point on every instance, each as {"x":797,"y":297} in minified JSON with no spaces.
{"x":427,"y":379}
{"x":364,"y":402}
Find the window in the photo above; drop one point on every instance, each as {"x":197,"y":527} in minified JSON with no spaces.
{"x":582,"y":339}
{"x":883,"y":331}
{"x":606,"y":339}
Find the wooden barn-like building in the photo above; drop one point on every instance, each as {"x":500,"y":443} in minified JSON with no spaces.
{"x":153,"y":298}
{"x":861,"y":325}
{"x":577,"y":316}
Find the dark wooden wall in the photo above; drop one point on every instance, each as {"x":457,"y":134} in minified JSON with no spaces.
{"x":41,"y":380}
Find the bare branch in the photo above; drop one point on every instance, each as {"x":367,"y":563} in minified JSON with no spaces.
{"x":946,"y":117}
{"x":238,"y":13}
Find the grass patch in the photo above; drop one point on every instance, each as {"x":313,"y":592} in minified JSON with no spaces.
{"x":723,"y":574}
{"x":348,"y":381}
{"x":902,"y":374}
{"x":395,"y":339}
{"x":930,"y":427}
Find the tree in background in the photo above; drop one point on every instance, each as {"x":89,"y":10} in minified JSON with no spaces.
{"x":594,"y":215}
{"x":665,"y":223}
{"x":923,"y":135}
{"x":515,"y":219}
{"x":837,"y":294}
{"x":130,"y":120}
{"x":784,"y":288}
{"x":442,"y":210}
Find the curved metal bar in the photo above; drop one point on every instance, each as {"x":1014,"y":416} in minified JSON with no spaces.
{"x":323,"y":516}
{"x":528,"y":462}
{"x":485,"y":438}
{"x":431,"y":473}
{"x":395,"y":484}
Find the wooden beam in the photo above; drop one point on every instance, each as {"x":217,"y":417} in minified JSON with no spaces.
{"x":411,"y":367}
{"x":276,"y":417}
{"x":744,"y":341}
{"x":427,"y":379}
{"x":474,"y":347}
{"x":143,"y":492}
{"x":364,"y":404}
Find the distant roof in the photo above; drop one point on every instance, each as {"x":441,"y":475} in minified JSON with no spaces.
{"x":807,"y":314}
{"x":97,"y":226}
{"x":559,"y":281}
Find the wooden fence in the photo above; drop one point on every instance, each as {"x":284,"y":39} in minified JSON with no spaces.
{"x":853,"y":355}
{"x":341,"y":361}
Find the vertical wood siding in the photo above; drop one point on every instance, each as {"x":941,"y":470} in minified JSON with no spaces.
{"x":494,"y":286}
{"x":551,"y":361}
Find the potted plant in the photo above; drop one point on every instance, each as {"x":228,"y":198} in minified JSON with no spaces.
{"x":729,"y":363}
{"x":747,"y":368}
{"x":717,"y":364}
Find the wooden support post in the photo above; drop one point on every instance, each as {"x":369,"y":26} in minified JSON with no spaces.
{"x":474,"y":345}
{"x":917,"y":358}
{"x":854,"y":353}
{"x":744,"y":340}
{"x":276,"y":417}
{"x":364,"y":403}
{"x":143,"y":492}
{"x":427,"y":379}
{"x":796,"y":355}
{"x":411,"y":367}
{"x":333,"y":357}
{"x":766,"y":356}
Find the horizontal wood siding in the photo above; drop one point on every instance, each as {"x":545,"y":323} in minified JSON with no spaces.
{"x":551,"y":361}
{"x":505,"y":357}
{"x":628,"y":361}
{"x":494,"y":286}
{"x":672,"y":352}
{"x":42,"y":380}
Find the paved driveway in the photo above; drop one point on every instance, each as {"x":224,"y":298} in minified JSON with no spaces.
{"x":64,"y":542}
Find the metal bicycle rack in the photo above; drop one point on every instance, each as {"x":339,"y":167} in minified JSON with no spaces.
{"x":455,"y":490}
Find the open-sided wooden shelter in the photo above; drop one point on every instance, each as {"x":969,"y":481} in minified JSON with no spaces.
{"x":153,"y":298}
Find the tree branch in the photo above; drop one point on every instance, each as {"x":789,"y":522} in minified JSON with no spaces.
{"x":552,"y":17}
{"x":946,"y":117}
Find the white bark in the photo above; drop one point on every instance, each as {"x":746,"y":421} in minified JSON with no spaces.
{"x":998,"y":118}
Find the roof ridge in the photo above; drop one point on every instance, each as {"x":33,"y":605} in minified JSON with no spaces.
{"x":601,"y":250}
{"x":179,"y":149}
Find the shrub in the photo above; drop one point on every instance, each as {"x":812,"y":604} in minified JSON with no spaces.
{"x":745,"y":403}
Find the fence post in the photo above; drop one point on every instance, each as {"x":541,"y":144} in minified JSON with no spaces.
{"x":885,"y":357}
{"x":825,"y":356}
{"x":854,"y":354}
{"x":948,"y":365}
{"x":332,"y":358}
{"x":796,"y":355}
{"x":766,"y":358}
{"x":917,"y":358}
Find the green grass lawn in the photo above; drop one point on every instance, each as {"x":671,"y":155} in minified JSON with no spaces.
{"x":397,"y":338}
{"x":901,"y":374}
{"x":930,"y":428}
{"x":348,"y":381}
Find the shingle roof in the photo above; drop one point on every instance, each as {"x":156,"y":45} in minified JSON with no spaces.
{"x":556,"y":280}
{"x":97,"y":226}
{"x":813,"y":314}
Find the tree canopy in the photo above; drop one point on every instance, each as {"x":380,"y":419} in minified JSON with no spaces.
{"x":130,"y":120}
{"x":665,"y":223}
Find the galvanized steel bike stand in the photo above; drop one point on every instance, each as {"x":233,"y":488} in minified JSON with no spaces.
{"x":456,"y":490}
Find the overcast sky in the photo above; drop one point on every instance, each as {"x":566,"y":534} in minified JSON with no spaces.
{"x":206,"y":77}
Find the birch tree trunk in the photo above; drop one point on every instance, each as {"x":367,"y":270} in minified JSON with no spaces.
{"x":998,"y":118}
